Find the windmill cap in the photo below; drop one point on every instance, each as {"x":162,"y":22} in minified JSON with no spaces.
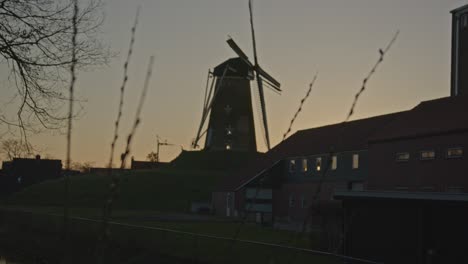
{"x":237,"y":67}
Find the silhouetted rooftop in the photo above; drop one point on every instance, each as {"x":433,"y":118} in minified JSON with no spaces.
{"x":434,"y":117}
{"x":345,"y":136}
{"x":460,"y":9}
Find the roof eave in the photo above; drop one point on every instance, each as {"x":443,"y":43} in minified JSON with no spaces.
{"x":422,"y":196}
{"x":460,"y":9}
{"x":256,"y":176}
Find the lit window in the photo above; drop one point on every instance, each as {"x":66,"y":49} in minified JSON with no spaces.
{"x":318,"y":163}
{"x":304,"y":165}
{"x":292,"y":165}
{"x":334,"y":162}
{"x":454,"y":152}
{"x":355,"y":161}
{"x":402,"y":156}
{"x":303,"y":202}
{"x":291,"y":200}
{"x":427,"y":154}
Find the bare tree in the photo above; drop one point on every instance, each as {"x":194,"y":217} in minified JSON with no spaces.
{"x":84,"y":167}
{"x":36,"y":46}
{"x":152,"y":156}
{"x":12,"y":148}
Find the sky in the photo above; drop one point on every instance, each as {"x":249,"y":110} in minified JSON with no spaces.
{"x":339,"y":39}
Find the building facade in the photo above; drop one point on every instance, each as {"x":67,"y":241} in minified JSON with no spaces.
{"x":459,"y":51}
{"x":22,"y":172}
{"x":414,"y":206}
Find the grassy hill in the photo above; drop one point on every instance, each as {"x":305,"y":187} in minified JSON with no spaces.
{"x":170,"y":190}
{"x":214,"y":160}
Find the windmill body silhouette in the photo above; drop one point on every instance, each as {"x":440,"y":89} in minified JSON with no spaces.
{"x":228,"y":102}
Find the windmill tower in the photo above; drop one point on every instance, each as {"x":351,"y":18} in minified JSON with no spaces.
{"x":228,"y":102}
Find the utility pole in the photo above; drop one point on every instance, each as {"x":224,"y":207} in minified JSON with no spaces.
{"x":160,"y":143}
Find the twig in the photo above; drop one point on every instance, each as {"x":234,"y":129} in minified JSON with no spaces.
{"x":137,"y":121}
{"x":114,"y":186}
{"x":371,"y":73}
{"x":300,"y":107}
{"x":236,"y":235}
{"x":69,"y":133}
{"x":332,"y":151}
{"x":122,"y":89}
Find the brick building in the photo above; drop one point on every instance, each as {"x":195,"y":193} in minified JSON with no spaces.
{"x":280,"y":186}
{"x":415,"y":205}
{"x":396,"y":184}
{"x":22,"y":172}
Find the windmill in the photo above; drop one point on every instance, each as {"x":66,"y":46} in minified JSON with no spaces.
{"x":228,"y":101}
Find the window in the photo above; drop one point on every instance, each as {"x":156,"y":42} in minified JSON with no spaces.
{"x":402,"y":188}
{"x":402,"y":156}
{"x":464,"y":20}
{"x":427,"y":155}
{"x":228,"y":200}
{"x":318,"y":163}
{"x":291,"y":200}
{"x":427,"y":188}
{"x":454,"y":153}
{"x":292,"y":165}
{"x":356,"y":186}
{"x":334,"y":162}
{"x":303,"y":202}
{"x":455,"y":189}
{"x":304,"y":165}
{"x":355,"y":161}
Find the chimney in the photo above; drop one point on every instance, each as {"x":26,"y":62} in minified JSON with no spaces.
{"x":459,"y":83}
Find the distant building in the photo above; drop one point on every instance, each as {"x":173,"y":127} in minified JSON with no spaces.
{"x":460,"y":51}
{"x":22,"y":172}
{"x":147,"y":165}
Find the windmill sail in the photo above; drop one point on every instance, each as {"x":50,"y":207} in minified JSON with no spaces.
{"x":231,"y":124}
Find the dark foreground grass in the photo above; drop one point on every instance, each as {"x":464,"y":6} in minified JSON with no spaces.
{"x":211,"y":225}
{"x":167,"y":190}
{"x":196,"y":248}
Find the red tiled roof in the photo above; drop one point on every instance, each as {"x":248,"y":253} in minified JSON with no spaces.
{"x":439,"y":116}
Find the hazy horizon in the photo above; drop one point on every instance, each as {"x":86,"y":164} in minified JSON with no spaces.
{"x":339,"y":39}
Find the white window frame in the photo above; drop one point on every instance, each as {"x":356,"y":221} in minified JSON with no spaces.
{"x":399,"y":154}
{"x":355,"y":161}
{"x":334,"y":164}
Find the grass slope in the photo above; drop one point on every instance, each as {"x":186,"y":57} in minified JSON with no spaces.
{"x":167,"y":190}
